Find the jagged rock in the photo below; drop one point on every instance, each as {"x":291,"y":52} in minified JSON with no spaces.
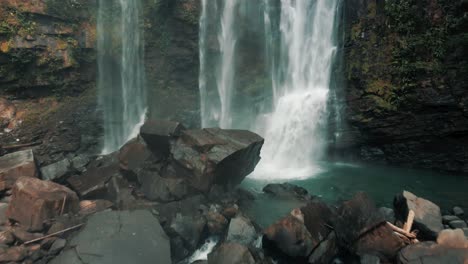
{"x":92,"y":184}
{"x":6,"y":237}
{"x":56,"y":171}
{"x":132,"y":157}
{"x":427,"y":219}
{"x":381,"y":241}
{"x":290,"y":236}
{"x":118,"y":237}
{"x":449,"y":218}
{"x":3,"y":217}
{"x":452,"y":238}
{"x":356,"y":217}
{"x":216,"y":156}
{"x":231,"y":253}
{"x":325,"y":251}
{"x":458,"y":211}
{"x":88,"y":207}
{"x":189,"y":228}
{"x":319,"y":220}
{"x":430,"y":252}
{"x":158,"y":133}
{"x":15,"y":165}
{"x":57,"y":246}
{"x":457,"y":224}
{"x":216,"y":223}
{"x":34,"y":201}
{"x":13,"y":254}
{"x":157,"y":188}
{"x":190,"y":206}
{"x":286,"y":190}
{"x":79,"y":162}
{"x":241,"y":231}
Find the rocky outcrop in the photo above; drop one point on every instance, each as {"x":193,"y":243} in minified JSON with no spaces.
{"x":405,"y":100}
{"x":16,"y":165}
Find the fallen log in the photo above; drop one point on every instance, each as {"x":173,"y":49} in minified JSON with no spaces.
{"x":53,"y":234}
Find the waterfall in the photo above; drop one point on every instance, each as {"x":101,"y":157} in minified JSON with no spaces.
{"x":121,"y":81}
{"x":295,"y":131}
{"x":299,"y":43}
{"x":216,"y":110}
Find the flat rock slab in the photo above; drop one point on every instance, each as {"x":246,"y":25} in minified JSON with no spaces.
{"x":15,"y":165}
{"x":430,"y":252}
{"x":118,"y":237}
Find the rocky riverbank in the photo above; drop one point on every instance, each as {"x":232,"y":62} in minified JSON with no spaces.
{"x":163,"y":194}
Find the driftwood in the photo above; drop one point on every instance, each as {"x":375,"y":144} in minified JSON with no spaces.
{"x":16,"y":146}
{"x":400,"y":231}
{"x":409,"y":221}
{"x":53,"y":234}
{"x":63,"y":205}
{"x":405,"y":231}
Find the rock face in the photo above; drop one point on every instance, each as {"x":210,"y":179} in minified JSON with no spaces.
{"x":34,"y":202}
{"x":215,"y":156}
{"x":406,"y":100}
{"x":158,"y":133}
{"x":118,"y":238}
{"x":15,"y":165}
{"x":241,"y":231}
{"x":428,"y":219}
{"x":231,"y":253}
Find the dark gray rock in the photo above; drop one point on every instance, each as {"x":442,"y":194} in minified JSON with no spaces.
{"x":449,"y":218}
{"x":92,"y":184}
{"x":118,"y":237}
{"x":56,"y":171}
{"x":458,"y":211}
{"x":388,"y":214}
{"x":241,"y":231}
{"x":3,"y":217}
{"x":286,"y":190}
{"x":57,"y":246}
{"x":216,"y":156}
{"x":190,"y":228}
{"x":231,"y":253}
{"x":430,"y":252}
{"x":79,"y":162}
{"x":158,"y":134}
{"x":157,"y":188}
{"x":457,"y":224}
{"x":319,"y":220}
{"x":325,"y":251}
{"x":428,"y":219}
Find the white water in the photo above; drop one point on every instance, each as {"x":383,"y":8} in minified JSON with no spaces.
{"x":204,"y":250}
{"x":295,"y":131}
{"x":121,"y":81}
{"x":218,"y":113}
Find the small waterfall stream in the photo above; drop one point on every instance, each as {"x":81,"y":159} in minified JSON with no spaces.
{"x":121,"y":81}
{"x":299,"y":46}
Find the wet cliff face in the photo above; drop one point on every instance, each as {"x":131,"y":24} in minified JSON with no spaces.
{"x":47,"y":77}
{"x":406,"y":71}
{"x":172,"y":62}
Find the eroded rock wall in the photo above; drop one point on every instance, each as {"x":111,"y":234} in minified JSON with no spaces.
{"x":406,"y":72}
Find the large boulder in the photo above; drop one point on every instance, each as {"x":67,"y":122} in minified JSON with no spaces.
{"x":15,"y":165}
{"x":159,"y":133}
{"x":56,"y":171}
{"x":242,"y":231}
{"x":93,"y":183}
{"x":286,"y":190}
{"x":355,"y":218}
{"x":427,"y":216}
{"x":118,"y":237}
{"x":35,"y":201}
{"x":430,"y":252}
{"x":289,"y":236}
{"x":231,"y":253}
{"x":326,"y":251}
{"x":216,"y":156}
{"x":157,"y":188}
{"x":319,"y":219}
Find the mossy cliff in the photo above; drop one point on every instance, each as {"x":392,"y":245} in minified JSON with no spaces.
{"x":406,"y":71}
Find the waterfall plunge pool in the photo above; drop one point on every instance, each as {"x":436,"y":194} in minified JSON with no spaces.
{"x":335,"y":182}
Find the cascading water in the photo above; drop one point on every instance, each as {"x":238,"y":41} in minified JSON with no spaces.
{"x":216,"y":110}
{"x":121,"y":82}
{"x":294,"y":132}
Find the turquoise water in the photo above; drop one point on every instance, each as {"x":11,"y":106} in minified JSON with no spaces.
{"x":336,"y":182}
